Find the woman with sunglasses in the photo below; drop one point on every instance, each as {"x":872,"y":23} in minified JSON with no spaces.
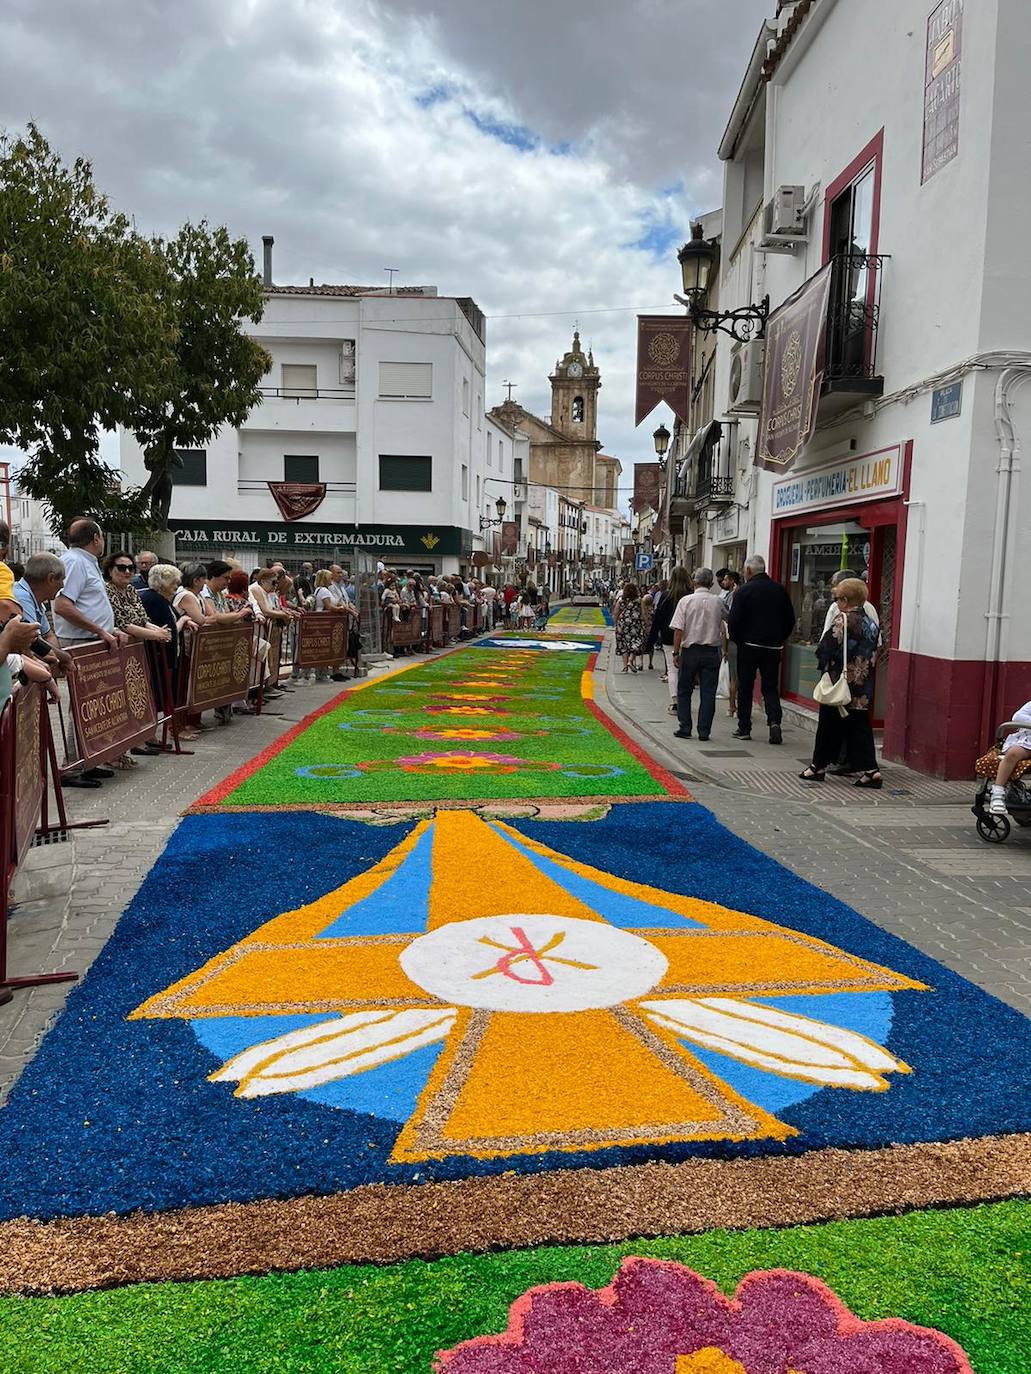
{"x":119,"y":569}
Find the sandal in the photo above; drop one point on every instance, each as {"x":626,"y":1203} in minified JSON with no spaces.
{"x":871,"y":779}
{"x":811,"y":774}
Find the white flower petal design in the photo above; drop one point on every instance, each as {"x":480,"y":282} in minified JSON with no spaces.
{"x":778,"y":1041}
{"x":331,"y":1050}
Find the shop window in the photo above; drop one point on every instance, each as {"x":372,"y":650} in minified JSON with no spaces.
{"x":405,"y":472}
{"x":300,"y":467}
{"x":194,"y":471}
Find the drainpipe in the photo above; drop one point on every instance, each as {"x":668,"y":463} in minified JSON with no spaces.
{"x":266,"y":276}
{"x":1004,"y":535}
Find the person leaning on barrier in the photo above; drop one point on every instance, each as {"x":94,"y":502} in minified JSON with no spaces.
{"x":214,"y":597}
{"x":162,"y":582}
{"x":131,"y":617}
{"x":42,"y":579}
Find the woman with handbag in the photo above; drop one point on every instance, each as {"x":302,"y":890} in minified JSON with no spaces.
{"x":847,"y":654}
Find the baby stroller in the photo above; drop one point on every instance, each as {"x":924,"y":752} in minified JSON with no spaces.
{"x":996,"y":829}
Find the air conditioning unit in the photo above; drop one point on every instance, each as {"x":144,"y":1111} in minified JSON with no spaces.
{"x":785,"y":214}
{"x":746,"y":377}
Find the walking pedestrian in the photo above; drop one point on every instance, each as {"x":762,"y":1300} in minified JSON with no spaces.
{"x":699,"y":633}
{"x":730,"y":580}
{"x":662,"y":631}
{"x":850,"y":646}
{"x":629,"y":627}
{"x":761,"y":619}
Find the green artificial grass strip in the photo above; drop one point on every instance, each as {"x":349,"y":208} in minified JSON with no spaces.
{"x":961,"y":1271}
{"x":536,"y":737}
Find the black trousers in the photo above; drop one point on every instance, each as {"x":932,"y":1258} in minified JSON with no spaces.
{"x":854,"y":731}
{"x":765,"y":662}
{"x":698,"y":663}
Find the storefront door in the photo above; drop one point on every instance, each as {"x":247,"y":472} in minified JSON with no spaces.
{"x":864,"y":541}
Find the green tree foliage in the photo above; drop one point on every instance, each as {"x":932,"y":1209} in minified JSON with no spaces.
{"x":101,"y":326}
{"x":209,"y":287}
{"x":87,"y":336}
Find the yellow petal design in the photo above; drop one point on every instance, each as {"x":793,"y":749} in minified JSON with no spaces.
{"x":778,"y":1041}
{"x":331,"y":1050}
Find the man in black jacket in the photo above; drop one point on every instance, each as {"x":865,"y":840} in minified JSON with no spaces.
{"x":761,"y":620}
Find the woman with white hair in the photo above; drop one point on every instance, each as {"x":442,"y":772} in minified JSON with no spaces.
{"x":163,"y":582}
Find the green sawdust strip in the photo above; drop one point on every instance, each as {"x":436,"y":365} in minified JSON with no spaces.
{"x":962,"y":1271}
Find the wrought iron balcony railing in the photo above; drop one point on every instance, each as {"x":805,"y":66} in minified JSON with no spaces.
{"x":853,"y":316}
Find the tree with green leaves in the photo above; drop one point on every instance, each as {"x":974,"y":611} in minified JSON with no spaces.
{"x":87,"y":336}
{"x":216,"y":371}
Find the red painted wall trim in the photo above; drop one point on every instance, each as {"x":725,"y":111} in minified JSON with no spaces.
{"x":873,"y":152}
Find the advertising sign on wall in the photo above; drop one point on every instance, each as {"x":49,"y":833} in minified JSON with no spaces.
{"x":867,"y":478}
{"x":793,"y":373}
{"x":942,"y":86}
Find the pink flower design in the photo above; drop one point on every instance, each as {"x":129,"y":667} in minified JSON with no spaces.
{"x":659,"y":1317}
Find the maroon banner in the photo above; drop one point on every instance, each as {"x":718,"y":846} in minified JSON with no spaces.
{"x":297,"y":499}
{"x":647,"y":482}
{"x":628,"y":553}
{"x":552,"y":561}
{"x":220,"y":665}
{"x":27,"y":705}
{"x":663,"y":364}
{"x":111,"y":700}
{"x":793,"y":374}
{"x":480,"y":558}
{"x":942,"y":87}
{"x":509,"y":537}
{"x":322,"y":639}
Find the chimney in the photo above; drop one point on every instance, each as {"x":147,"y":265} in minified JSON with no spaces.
{"x":266,"y":275}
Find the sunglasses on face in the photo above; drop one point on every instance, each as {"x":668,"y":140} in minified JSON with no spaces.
{"x":125,"y":567}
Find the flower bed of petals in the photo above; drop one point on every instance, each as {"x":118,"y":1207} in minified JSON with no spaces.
{"x":959,"y":1272}
{"x":478,"y":723}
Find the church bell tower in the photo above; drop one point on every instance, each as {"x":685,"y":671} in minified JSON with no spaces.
{"x":574,"y":394}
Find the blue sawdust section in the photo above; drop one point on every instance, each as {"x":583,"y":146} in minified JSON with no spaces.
{"x":118,"y":1115}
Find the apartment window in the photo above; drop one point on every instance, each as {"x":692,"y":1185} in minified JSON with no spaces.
{"x":347,"y":356}
{"x":479,"y":410}
{"x":490,"y":450}
{"x":465,"y":395}
{"x":405,"y":472}
{"x":300,"y":380}
{"x":465,"y":483}
{"x":194,"y":471}
{"x":300,"y":467}
{"x":477,"y":493}
{"x":406,"y":381}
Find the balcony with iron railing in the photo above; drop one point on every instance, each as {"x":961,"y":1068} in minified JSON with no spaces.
{"x":703,"y":479}
{"x":850,"y":372}
{"x":327,"y":408}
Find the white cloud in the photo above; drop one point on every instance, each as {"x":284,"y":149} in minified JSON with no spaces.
{"x":516,"y":162}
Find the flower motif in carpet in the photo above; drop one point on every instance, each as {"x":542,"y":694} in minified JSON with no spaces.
{"x":659,"y":1317}
{"x":443,"y":710}
{"x":495,"y":997}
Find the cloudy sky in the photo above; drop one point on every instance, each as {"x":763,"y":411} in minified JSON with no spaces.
{"x":545,"y":159}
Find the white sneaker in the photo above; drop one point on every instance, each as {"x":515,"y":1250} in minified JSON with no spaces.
{"x":997,"y":803}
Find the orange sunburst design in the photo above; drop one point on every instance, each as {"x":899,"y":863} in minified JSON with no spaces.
{"x":610,"y":1063}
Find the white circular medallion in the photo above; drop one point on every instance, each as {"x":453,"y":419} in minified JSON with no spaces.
{"x":533,"y":964}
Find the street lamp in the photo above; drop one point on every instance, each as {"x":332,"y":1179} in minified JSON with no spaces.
{"x":697,"y":259}
{"x":500,"y":505}
{"x":661,"y":437}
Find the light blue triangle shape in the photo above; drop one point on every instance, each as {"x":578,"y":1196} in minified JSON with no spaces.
{"x":400,"y":904}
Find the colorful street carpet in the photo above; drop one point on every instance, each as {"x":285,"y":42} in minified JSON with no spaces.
{"x":396,"y":1074}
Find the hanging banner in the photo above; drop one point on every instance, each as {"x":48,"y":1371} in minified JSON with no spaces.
{"x":297,"y":499}
{"x":663,"y":364}
{"x":647,"y":482}
{"x":793,"y":374}
{"x":509,"y":537}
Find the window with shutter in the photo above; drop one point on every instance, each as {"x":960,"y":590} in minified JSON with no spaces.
{"x":300,"y":467}
{"x":300,"y":380}
{"x":403,"y":472}
{"x":194,"y":471}
{"x":406,"y":381}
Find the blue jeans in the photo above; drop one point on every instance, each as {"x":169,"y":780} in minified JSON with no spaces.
{"x":701,"y":663}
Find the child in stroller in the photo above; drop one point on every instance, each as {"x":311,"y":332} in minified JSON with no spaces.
{"x":1005,"y":792}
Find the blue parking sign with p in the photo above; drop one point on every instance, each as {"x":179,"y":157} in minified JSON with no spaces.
{"x":644,"y":562}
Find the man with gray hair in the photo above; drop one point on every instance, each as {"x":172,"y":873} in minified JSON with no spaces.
{"x":42,"y":580}
{"x":761,"y":621}
{"x":699,"y":635}
{"x":145,"y":560}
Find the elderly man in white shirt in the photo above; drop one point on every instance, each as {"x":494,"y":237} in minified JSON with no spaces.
{"x":699,"y":626}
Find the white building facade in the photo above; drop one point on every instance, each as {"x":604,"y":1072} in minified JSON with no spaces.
{"x":899,"y":128}
{"x":378,"y":397}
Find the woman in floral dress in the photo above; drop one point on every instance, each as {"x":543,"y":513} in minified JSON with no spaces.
{"x":630,"y":636}
{"x":855,"y":633}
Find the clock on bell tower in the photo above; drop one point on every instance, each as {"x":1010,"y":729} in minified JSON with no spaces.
{"x":574,"y":394}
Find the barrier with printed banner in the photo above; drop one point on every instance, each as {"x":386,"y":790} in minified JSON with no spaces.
{"x":112,"y":702}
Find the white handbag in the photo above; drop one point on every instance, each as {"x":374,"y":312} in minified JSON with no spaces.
{"x":830,"y":693}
